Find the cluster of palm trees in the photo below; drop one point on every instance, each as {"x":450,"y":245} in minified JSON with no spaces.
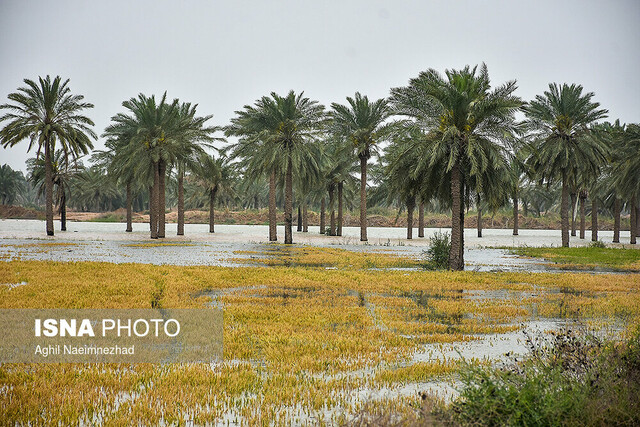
{"x":449,"y":139}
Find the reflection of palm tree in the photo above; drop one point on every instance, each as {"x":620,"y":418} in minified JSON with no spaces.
{"x":46,"y":113}
{"x":465,"y":123}
{"x":361,"y":123}
{"x":559,"y":121}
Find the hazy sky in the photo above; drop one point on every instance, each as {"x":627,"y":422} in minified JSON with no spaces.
{"x":226,"y":54}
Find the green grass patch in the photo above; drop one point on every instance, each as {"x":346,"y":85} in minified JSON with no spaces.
{"x":588,"y":257}
{"x":110,"y":217}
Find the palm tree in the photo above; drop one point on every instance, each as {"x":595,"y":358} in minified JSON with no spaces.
{"x":559,"y":122}
{"x":627,"y":173}
{"x":95,"y":190}
{"x":123,"y":168}
{"x":214,"y":176}
{"x":148,"y":128}
{"x":63,"y":175}
{"x":361,"y":123}
{"x":12,"y":183}
{"x":464,"y":122}
{"x":46,"y":113}
{"x":186,"y":148}
{"x":284,"y":125}
{"x":257,"y":158}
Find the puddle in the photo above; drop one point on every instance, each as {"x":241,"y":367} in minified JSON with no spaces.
{"x":13,"y":285}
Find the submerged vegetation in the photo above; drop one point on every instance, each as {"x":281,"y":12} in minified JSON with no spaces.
{"x":299,"y":343}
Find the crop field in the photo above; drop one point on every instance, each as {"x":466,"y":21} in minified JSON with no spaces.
{"x":316,"y":337}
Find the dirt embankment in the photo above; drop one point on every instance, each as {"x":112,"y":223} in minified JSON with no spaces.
{"x":262,"y":217}
{"x":18,"y":212}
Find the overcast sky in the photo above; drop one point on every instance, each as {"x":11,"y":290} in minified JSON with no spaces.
{"x":223,"y":55}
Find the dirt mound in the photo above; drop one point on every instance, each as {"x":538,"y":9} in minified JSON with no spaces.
{"x":18,"y":212}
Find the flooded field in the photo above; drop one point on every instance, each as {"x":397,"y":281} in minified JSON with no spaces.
{"x":107,"y":242}
{"x":312,"y":333}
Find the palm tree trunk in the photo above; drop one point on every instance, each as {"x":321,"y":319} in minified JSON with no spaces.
{"x":154,"y":201}
{"x":633,"y":221}
{"x":564,"y":211}
{"x":322,"y":216}
{"x":637,"y":221}
{"x":462,"y":208}
{"x":299,"y":228}
{"x":479,"y":219}
{"x":363,"y":198}
{"x":162,"y":171}
{"x":48,"y":187}
{"x":63,"y":212}
{"x":516,"y":214}
{"x":305,"y":219}
{"x":616,"y":220}
{"x":411,"y":203}
{"x":594,"y":219}
{"x":288,"y":204}
{"x":332,"y":210}
{"x":574,"y":201}
{"x":583,"y":200}
{"x":152,"y":217}
{"x":180,"y":201}
{"x":129,"y":213}
{"x":273,"y":231}
{"x":454,"y":253}
{"x":339,"y":231}
{"x":421,"y":219}
{"x":212,"y":212}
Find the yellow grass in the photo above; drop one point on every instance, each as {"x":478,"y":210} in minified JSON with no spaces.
{"x":296,"y":340}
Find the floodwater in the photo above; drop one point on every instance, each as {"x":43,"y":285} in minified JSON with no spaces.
{"x":107,"y":242}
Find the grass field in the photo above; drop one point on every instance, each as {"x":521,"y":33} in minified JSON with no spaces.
{"x":300,"y":342}
{"x":587,"y":257}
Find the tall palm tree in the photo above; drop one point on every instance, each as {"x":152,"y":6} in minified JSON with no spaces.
{"x":464,"y":121}
{"x":257,"y":157}
{"x":361,"y":122}
{"x":559,"y":122}
{"x":47,"y":113}
{"x":285,"y":125}
{"x":148,"y":127}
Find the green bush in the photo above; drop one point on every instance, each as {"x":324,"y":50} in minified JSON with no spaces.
{"x":568,"y":379}
{"x":437,"y":256}
{"x":597,"y":244}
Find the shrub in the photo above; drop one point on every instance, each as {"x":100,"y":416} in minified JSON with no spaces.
{"x":597,"y":244}
{"x":437,"y":256}
{"x":568,"y":379}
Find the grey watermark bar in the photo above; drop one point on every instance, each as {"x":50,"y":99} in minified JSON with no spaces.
{"x":110,"y":335}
